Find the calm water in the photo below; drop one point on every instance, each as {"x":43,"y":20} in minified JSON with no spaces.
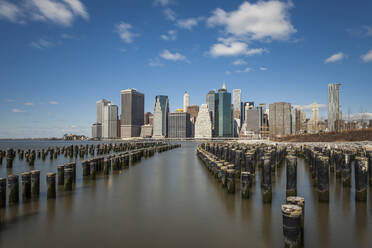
{"x":171,"y":200}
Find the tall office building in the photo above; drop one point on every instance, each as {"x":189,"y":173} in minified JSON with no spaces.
{"x":224,"y":116}
{"x":148,"y":117}
{"x":334,"y":114}
{"x":280,"y":119}
{"x":211,"y":99}
{"x":132,"y":113}
{"x":237,"y":93}
{"x":203,"y":124}
{"x":186,"y":101}
{"x":161,"y":110}
{"x":97,"y":127}
{"x":179,"y":125}
{"x":110,"y":121}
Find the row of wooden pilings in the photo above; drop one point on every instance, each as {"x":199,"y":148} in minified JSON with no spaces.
{"x":325,"y":160}
{"x":65,"y":177}
{"x":233,"y":162}
{"x":72,"y":151}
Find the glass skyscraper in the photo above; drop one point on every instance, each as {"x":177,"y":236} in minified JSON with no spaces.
{"x":224,"y":118}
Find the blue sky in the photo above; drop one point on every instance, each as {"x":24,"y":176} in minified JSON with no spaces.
{"x":58,"y":57}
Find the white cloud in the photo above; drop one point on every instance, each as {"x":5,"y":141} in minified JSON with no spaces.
{"x":245,"y":70}
{"x":62,"y":12}
{"x":232,"y":47}
{"x":9,"y":100}
{"x":125,"y":33}
{"x":359,"y":116}
{"x":28,"y":104}
{"x":162,"y":2}
{"x":166,"y":54}
{"x":263,"y":68}
{"x":310,"y":106}
{"x":188,"y":23}
{"x":169,"y":14}
{"x":257,"y":21}
{"x":335,"y":58}
{"x":239,"y":62}
{"x":228,"y":72}
{"x":15,"y":110}
{"x":368,"y":30}
{"x":9,"y":11}
{"x":367,"y":57}
{"x":155,"y":63}
{"x":42,"y":43}
{"x":53,"y":102}
{"x":171,"y":35}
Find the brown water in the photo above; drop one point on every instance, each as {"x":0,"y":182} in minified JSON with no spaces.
{"x":171,"y":200}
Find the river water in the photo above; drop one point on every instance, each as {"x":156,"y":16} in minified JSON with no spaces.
{"x":171,"y":200}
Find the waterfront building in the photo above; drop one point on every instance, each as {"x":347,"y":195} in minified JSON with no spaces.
{"x":186,"y":101}
{"x":224,"y":115}
{"x":211,"y":99}
{"x":313,"y":123}
{"x":97,"y":130}
{"x":203,"y":124}
{"x":148,"y":118}
{"x":334,"y":114}
{"x":146,"y":131}
{"x":161,"y":110}
{"x":237,"y":95}
{"x":110,"y":122}
{"x":179,"y":125}
{"x":193,"y":110}
{"x":132,"y":113}
{"x":280,"y":119}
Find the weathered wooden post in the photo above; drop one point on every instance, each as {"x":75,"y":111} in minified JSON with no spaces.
{"x":361,"y":178}
{"x":68,"y":178}
{"x":299,"y":201}
{"x":230,"y":181}
{"x":245,"y":184}
{"x":51,"y":185}
{"x":26,"y":185}
{"x":266,"y":181}
{"x":346,"y":171}
{"x":323,"y":179}
{"x":93,"y":170}
{"x":61,"y":174}
{"x":2,"y":192}
{"x":106,"y":167}
{"x":35,"y":183}
{"x":292,"y":225}
{"x":291,"y":166}
{"x":13,"y":186}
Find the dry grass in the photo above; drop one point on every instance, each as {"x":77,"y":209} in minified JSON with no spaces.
{"x":353,"y":135}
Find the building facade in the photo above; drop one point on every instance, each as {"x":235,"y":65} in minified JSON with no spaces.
{"x":334,"y":114}
{"x":160,"y":122}
{"x":203,"y":124}
{"x":186,"y":101}
{"x":211,"y":99}
{"x":110,"y":122}
{"x":224,"y":116}
{"x":179,"y":125}
{"x":132,"y":113}
{"x":96,"y":131}
{"x":148,"y":118}
{"x":237,"y":98}
{"x":280,"y":119}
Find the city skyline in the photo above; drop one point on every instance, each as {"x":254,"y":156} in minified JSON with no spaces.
{"x":99,"y":56}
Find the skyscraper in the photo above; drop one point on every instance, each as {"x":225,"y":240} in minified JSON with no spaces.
{"x":110,"y":121}
{"x":203,"y":124}
{"x":97,"y":127}
{"x":224,"y":117}
{"x":132,"y":112}
{"x":161,"y":110}
{"x":179,"y":125}
{"x":237,"y":102}
{"x":211,"y":99}
{"x":280,"y":119}
{"x":334,"y":114}
{"x":186,"y":101}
